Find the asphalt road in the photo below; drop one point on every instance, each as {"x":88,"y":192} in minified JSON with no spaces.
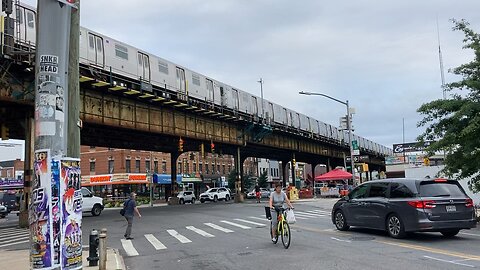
{"x":176,"y":237}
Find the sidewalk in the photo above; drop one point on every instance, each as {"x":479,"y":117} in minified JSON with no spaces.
{"x":19,"y":260}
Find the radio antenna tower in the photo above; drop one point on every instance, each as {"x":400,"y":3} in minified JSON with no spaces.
{"x":440,"y":58}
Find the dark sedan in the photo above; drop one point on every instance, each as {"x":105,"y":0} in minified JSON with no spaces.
{"x":403,"y":205}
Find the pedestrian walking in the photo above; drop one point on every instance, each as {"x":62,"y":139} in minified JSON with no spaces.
{"x":130,"y":207}
{"x":258,"y":195}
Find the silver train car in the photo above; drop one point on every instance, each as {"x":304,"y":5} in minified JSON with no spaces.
{"x":105,"y":55}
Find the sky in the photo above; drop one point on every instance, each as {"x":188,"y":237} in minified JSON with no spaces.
{"x":382,"y":56}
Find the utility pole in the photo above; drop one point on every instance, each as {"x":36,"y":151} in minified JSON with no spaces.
{"x":46,"y":218}
{"x":74,"y":122}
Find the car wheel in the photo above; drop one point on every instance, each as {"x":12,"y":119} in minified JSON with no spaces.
{"x":215,"y":199}
{"x":181,"y":201}
{"x":395,"y":226}
{"x":202,"y":200}
{"x":96,"y":210}
{"x":193,"y":201}
{"x":227,"y":198}
{"x":340,"y":221}
{"x":450,"y":233}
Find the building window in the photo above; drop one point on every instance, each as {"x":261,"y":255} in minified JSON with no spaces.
{"x":121,"y":51}
{"x":92,"y":166}
{"x":218,"y":168}
{"x":224,"y":169}
{"x":179,"y":167}
{"x":111,"y":168}
{"x":194,"y":167}
{"x":155,"y":166}
{"x":200,"y":167}
{"x":206,"y":168}
{"x":147,"y":166}
{"x":164,"y":166}
{"x":213,"y":168}
{"x":186,"y":167}
{"x":271,"y":171}
{"x":128,"y":166}
{"x":137,"y":165}
{"x":229,"y":168}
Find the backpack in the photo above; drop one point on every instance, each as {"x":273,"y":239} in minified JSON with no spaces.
{"x":122,"y":212}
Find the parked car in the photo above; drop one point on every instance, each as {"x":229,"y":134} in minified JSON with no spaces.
{"x":400,"y":206}
{"x":10,"y":200}
{"x":265,"y":193}
{"x":215,"y":194}
{"x":3,"y":211}
{"x":92,"y":204}
{"x":186,"y":196}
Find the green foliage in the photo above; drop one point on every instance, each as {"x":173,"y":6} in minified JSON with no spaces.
{"x":262,"y":180}
{"x":232,"y":176}
{"x":454,"y":123}
{"x":248,"y":182}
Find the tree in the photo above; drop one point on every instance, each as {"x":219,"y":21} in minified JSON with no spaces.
{"x":453,"y":124}
{"x":232,"y":177}
{"x":262,"y":180}
{"x":248,"y":181}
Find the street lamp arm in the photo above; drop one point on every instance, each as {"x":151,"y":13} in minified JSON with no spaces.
{"x":323,"y":95}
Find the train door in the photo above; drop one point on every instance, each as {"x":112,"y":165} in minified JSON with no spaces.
{"x":181,"y":83}
{"x":286,"y":117}
{"x":95,"y":53}
{"x":210,"y":93}
{"x":223,"y":96}
{"x":298,"y":120}
{"x":270,"y":112}
{"x":235,"y":99}
{"x":254,"y":106}
{"x":143,"y":69}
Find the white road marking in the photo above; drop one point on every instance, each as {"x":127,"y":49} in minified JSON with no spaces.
{"x":155,"y":242}
{"x":248,"y":221}
{"x":340,"y":240}
{"x":14,"y":233}
{"x":128,"y":247}
{"x":201,"y":232}
{"x":12,"y":237}
{"x":16,"y":243}
{"x":263,"y":219}
{"x":309,"y":214}
{"x":235,"y":224}
{"x":13,"y":240}
{"x":179,"y":237}
{"x":471,"y":234}
{"x":216,"y":227}
{"x":304,"y":216}
{"x":300,"y":217}
{"x":447,"y":261}
{"x":319,"y":212}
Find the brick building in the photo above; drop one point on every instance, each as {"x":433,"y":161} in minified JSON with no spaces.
{"x":12,"y":169}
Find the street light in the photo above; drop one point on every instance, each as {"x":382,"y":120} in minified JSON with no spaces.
{"x":349,"y":126}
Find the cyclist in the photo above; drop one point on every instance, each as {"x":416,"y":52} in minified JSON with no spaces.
{"x":277,"y":199}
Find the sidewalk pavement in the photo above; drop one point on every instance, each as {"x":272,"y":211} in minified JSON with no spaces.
{"x":19,"y":260}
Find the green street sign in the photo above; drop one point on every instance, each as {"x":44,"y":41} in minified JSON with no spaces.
{"x":356,"y":150}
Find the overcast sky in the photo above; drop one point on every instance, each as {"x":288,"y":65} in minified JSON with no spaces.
{"x":380,"y":55}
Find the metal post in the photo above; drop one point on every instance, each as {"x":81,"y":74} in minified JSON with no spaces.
{"x":352,"y":162}
{"x":51,"y":122}
{"x":73,"y":124}
{"x":103,"y":249}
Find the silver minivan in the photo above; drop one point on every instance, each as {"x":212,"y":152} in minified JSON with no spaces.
{"x":399,"y":206}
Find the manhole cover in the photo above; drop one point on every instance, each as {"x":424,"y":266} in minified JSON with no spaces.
{"x":362,"y":238}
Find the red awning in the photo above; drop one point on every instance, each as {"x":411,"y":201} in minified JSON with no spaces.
{"x":337,"y":174}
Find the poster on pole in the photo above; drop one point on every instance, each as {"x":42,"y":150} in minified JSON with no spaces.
{"x":56,"y":211}
{"x":40,"y":213}
{"x":71,"y":198}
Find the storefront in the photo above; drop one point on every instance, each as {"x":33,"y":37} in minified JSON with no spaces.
{"x":117,"y":185}
{"x":163,"y":183}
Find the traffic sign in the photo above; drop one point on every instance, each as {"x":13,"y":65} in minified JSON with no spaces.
{"x":356,"y":150}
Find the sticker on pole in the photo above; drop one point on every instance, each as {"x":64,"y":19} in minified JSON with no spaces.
{"x":49,"y":64}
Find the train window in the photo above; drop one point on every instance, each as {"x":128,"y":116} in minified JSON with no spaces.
{"x":196,"y":79}
{"x":140,"y":57}
{"x":91,"y":42}
{"x":20,"y":15}
{"x":121,"y":51}
{"x":163,"y":67}
{"x":99,"y":44}
{"x":30,"y":19}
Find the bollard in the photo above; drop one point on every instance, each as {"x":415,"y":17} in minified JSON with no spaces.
{"x":93,"y":248}
{"x":103,"y":249}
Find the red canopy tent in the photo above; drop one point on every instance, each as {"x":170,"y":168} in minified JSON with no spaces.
{"x":337,"y":174}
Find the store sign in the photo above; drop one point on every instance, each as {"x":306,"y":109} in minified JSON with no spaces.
{"x":410,"y":147}
{"x":137,"y":177}
{"x":11,"y":183}
{"x":100,"y":178}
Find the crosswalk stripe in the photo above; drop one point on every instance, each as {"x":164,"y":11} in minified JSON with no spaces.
{"x":235,"y":224}
{"x":216,"y":227}
{"x":179,"y":237}
{"x":14,"y":240}
{"x":155,"y":242}
{"x":13,"y":231}
{"x":129,"y":248}
{"x":319,"y":212}
{"x":309,"y":214}
{"x":248,"y":221}
{"x":300,"y":217}
{"x":303,"y":215}
{"x":13,"y":234}
{"x":199,"y":231}
{"x":262,"y":219}
{"x":12,"y":237}
{"x":16,"y":243}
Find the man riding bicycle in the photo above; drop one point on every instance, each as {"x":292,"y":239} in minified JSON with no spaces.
{"x":277,"y":199}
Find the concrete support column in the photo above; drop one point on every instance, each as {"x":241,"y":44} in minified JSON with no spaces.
{"x":28,"y":171}
{"x":329,"y":166}
{"x":239,"y":185}
{"x":293,"y":169}
{"x":173,"y":177}
{"x":284,"y":172}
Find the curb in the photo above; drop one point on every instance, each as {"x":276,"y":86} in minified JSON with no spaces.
{"x":120,"y":263}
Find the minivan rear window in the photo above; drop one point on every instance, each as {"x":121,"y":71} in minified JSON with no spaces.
{"x":440,"y":189}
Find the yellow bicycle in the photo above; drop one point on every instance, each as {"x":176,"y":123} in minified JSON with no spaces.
{"x":283,"y":229}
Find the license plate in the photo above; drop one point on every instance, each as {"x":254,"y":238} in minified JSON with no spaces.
{"x":451,"y":208}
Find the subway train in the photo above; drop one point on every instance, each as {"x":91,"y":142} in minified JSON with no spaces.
{"x":101,"y":54}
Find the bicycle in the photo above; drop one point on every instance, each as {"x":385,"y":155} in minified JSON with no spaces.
{"x":283,"y":228}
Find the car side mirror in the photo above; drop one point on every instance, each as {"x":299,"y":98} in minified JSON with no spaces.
{"x":346,"y":198}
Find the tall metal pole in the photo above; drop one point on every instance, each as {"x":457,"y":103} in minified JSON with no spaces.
{"x":261,"y":93}
{"x":73,"y":123}
{"x":352,"y":162}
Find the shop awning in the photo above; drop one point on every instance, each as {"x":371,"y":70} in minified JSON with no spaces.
{"x":165,"y":179}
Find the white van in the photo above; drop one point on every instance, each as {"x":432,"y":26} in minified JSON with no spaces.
{"x":92,"y":204}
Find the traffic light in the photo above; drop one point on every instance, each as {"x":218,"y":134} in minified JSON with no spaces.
{"x":7,"y":6}
{"x":426,"y":161}
{"x":294,"y":163}
{"x":5,"y":132}
{"x":212,"y":146}
{"x":364,"y":167}
{"x":180,"y":145}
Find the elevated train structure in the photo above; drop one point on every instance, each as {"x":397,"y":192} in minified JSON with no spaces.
{"x":127,"y":72}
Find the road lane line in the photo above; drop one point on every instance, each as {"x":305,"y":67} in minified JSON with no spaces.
{"x":263,"y":219}
{"x":128,"y":247}
{"x":179,"y":237}
{"x":201,"y":232}
{"x":235,"y":224}
{"x":216,"y":227}
{"x":447,"y":261}
{"x":16,"y":243}
{"x":248,"y":221}
{"x":155,"y":242}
